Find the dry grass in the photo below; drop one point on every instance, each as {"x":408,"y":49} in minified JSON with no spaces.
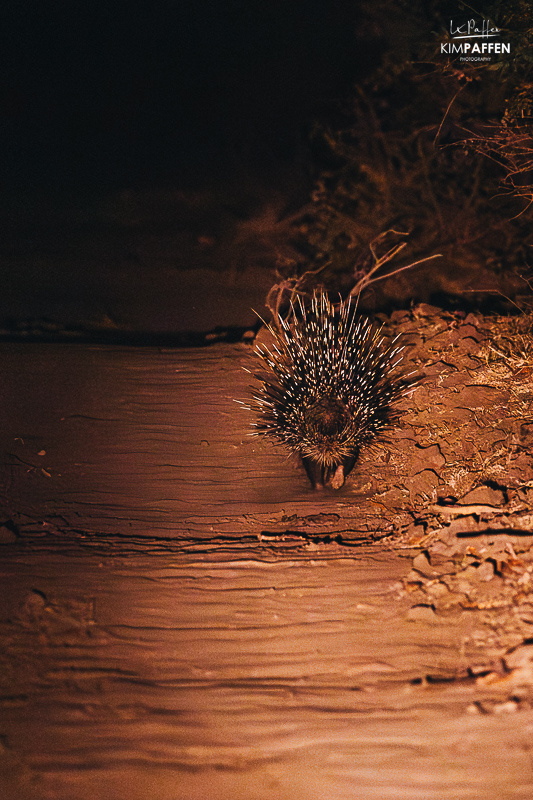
{"x":511,"y":343}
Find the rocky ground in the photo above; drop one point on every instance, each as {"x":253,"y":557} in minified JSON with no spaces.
{"x":466,"y":503}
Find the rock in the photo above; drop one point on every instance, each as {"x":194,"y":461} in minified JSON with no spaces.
{"x":484,"y":397}
{"x":421,"y":613}
{"x":505,"y":708}
{"x":520,"y":657}
{"x":485,"y":571}
{"x":421,"y":564}
{"x":428,"y":458}
{"x":484,"y":495}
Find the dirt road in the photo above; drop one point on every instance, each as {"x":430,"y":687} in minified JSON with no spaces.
{"x":181,"y":616}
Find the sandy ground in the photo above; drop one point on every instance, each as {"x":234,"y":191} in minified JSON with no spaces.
{"x":183,"y":617}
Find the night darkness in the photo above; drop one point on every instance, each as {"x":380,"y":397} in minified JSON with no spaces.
{"x":148,"y":147}
{"x":116,"y":115}
{"x":122,"y":94}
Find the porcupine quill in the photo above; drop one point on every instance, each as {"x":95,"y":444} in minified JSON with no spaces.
{"x":331,"y":384}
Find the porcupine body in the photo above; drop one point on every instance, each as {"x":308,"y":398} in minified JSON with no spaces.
{"x":330,"y":386}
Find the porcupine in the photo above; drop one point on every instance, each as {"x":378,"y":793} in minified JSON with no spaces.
{"x":331,"y":384}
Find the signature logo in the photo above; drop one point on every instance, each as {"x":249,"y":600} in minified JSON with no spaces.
{"x":465,"y":42}
{"x":474,"y":30}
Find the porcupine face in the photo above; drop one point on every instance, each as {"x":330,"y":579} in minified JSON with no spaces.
{"x":331,"y":383}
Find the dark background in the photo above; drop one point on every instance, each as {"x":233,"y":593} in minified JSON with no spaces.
{"x":138,"y":138}
{"x":120,"y":94}
{"x":153,"y":154}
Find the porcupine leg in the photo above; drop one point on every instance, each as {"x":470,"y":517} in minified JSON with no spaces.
{"x":314,"y":471}
{"x":321,"y":476}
